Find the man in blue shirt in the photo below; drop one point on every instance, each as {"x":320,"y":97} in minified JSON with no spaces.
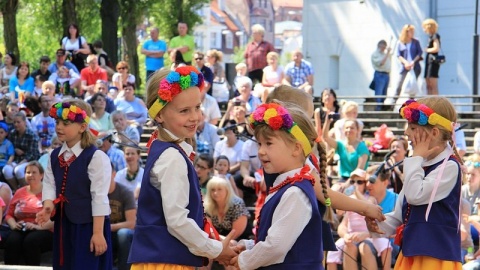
{"x":299,"y":73}
{"x":154,"y":50}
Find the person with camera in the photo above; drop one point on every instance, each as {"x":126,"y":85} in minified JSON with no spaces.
{"x":432,"y":66}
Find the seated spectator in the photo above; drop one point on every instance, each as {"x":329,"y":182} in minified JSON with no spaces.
{"x":206,"y":136}
{"x":132,"y":175}
{"x":61,"y":60}
{"x":204,"y":168}
{"x":399,"y":144}
{"x":241,"y":69}
{"x":90,"y":75}
{"x":210,"y":107}
{"x":122,"y":77}
{"x":25,"y":142}
{"x":7,"y":151}
{"x":460,"y":142}
{"x":244,"y":87}
{"x":222,"y":166}
{"x":249,"y":165}
{"x":125,"y":134}
{"x":100,"y":119}
{"x":102,"y":87}
{"x":22,"y":85}
{"x":27,"y":239}
{"x":8,"y":71}
{"x":42,"y":124}
{"x":353,"y":152}
{"x":199,"y":58}
{"x":65,"y":80}
{"x":226,"y":210}
{"x":37,"y":91}
{"x":122,"y":221}
{"x":237,"y":112}
{"x":471,"y":188}
{"x":103,"y":60}
{"x":43,"y":160}
{"x":349,"y":111}
{"x":465,"y":230}
{"x":116,"y":155}
{"x":43,"y":69}
{"x":328,"y":105}
{"x":299,"y":73}
{"x":133,"y":107}
{"x":229,"y":146}
{"x":272,"y":75}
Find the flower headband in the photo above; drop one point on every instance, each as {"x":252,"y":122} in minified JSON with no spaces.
{"x":66,"y":111}
{"x":277,"y":117}
{"x":176,"y":81}
{"x":421,"y":114}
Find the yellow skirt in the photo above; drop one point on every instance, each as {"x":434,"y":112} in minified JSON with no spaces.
{"x":159,"y":266}
{"x":424,"y":263}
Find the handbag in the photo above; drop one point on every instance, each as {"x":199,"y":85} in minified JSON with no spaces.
{"x":438,"y":59}
{"x":410,"y":85}
{"x":372,"y":85}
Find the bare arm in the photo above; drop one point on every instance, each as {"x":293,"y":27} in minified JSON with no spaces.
{"x":362,"y":160}
{"x":129,"y":223}
{"x":329,"y":140}
{"x":239,"y":226}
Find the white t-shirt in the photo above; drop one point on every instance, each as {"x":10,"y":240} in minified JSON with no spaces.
{"x":273,"y":76}
{"x":72,"y":46}
{"x":116,"y":78}
{"x":233,"y":153}
{"x":121,"y":177}
{"x":210,"y":108}
{"x":250,"y":154}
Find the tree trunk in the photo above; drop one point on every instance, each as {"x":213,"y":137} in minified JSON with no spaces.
{"x":69,"y":15}
{"x":9,"y":11}
{"x":129,"y":19}
{"x":110,"y":12}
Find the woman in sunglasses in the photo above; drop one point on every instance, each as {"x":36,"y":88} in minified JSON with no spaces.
{"x":122,"y":77}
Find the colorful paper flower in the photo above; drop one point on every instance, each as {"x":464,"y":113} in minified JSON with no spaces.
{"x":421,"y":114}
{"x":276,"y":122}
{"x":67,"y":112}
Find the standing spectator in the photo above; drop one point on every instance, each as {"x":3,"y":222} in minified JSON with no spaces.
{"x":381,"y":62}
{"x":122,"y":77}
{"x":42,"y":124}
{"x":430,"y":27}
{"x":256,"y":53}
{"x":206,"y":71}
{"x":28,"y":239}
{"x":91,"y":75}
{"x":409,"y":53}
{"x":8,"y":71}
{"x":153,"y":50}
{"x":183,"y":43}
{"x":122,"y":220}
{"x":77,"y":46}
{"x":26,"y":144}
{"x":116,"y":155}
{"x":43,"y":70}
{"x":299,"y":73}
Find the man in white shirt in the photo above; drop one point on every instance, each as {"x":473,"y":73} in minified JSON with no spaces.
{"x":381,"y":62}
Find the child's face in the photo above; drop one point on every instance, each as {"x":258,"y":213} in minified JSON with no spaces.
{"x":222,"y":166}
{"x":119,"y":122}
{"x":272,"y":61}
{"x":44,"y":65}
{"x":56,"y":143}
{"x":62,"y":73}
{"x":242,"y":71}
{"x":182,"y":115}
{"x":48,"y":90}
{"x":277,"y":155}
{"x":69,"y":132}
{"x":473,"y":175}
{"x":352,"y":113}
{"x":3,"y":134}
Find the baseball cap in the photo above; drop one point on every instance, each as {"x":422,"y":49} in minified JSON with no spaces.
{"x":358,"y":172}
{"x":61,"y":52}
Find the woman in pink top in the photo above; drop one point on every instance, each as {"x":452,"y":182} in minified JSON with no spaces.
{"x":272,"y":75}
{"x":27,"y":240}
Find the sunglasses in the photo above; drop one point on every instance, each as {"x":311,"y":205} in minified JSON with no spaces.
{"x":122,"y":68}
{"x":200,"y":167}
{"x":359,"y":182}
{"x":198,"y":59}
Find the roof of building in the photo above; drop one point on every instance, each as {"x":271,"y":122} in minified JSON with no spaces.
{"x":222,"y":17}
{"x":287,"y":3}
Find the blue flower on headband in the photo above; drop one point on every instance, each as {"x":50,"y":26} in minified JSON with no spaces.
{"x":193,"y":78}
{"x":422,"y":119}
{"x":173,"y":77}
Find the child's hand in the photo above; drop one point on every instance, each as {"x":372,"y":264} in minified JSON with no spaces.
{"x":234,"y":262}
{"x":373,"y":226}
{"x":44,"y":215}
{"x":373,"y":211}
{"x":421,"y":139}
{"x":227,"y":252}
{"x":98,"y":244}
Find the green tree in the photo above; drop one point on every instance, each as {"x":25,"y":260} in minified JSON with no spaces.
{"x":167,"y":13}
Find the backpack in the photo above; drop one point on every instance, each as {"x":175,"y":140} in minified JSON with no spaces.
{"x":108,"y":63}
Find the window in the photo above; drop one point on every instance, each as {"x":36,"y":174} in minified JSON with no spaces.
{"x":334,"y":71}
{"x":229,"y":40}
{"x":215,"y":40}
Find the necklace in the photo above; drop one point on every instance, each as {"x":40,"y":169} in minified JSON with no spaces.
{"x":131,"y":176}
{"x":303,"y":174}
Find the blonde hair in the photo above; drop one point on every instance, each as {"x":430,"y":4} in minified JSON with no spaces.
{"x":218,"y":55}
{"x":210,"y":205}
{"x":122,"y":64}
{"x":258,"y":28}
{"x":153,"y":84}
{"x":272,"y":55}
{"x":87,"y":139}
{"x":348,"y":106}
{"x":240,"y":66}
{"x":306,"y":125}
{"x":443,"y":107}
{"x":430,"y":25}
{"x":45,"y":84}
{"x":404,"y":33}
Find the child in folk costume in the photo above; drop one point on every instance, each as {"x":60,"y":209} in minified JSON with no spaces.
{"x":426,"y":217}
{"x":75,"y":192}
{"x":169,"y":233}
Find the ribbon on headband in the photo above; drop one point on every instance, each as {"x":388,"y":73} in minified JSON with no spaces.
{"x":278,"y":118}
{"x":173,"y":84}
{"x":421,"y":114}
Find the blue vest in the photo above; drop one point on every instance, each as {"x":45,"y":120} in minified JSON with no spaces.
{"x":152,"y":242}
{"x":440,"y":234}
{"x":78,"y":208}
{"x":307,"y":252}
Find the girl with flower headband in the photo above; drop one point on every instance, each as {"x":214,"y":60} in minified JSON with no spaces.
{"x":170,"y":214}
{"x":289,"y":228}
{"x":75,"y":192}
{"x":426,"y":217}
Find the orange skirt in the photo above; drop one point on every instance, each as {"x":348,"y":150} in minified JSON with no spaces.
{"x":160,"y":266}
{"x":423,"y":263}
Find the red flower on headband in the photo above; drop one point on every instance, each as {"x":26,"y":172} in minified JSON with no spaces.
{"x":185,"y":70}
{"x":165,"y":95}
{"x":175,"y":89}
{"x":276,"y":122}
